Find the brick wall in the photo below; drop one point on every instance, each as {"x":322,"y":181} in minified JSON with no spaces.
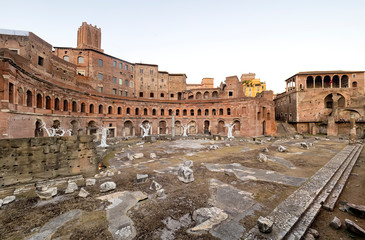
{"x":27,"y":160}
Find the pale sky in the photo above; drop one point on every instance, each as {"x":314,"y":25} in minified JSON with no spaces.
{"x":207,"y":38}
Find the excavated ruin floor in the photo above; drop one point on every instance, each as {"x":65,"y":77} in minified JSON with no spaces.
{"x":229,"y":177}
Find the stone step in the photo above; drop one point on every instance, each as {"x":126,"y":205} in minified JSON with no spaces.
{"x":287,"y":213}
{"x":310,"y":214}
{"x":332,"y":199}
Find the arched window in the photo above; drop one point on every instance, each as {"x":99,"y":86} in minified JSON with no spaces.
{"x":328,"y":101}
{"x":335,"y":82}
{"x":214,"y":112}
{"x":48,"y":102}
{"x":198,"y":95}
{"x":65,"y":105}
{"x":309,"y":82}
{"x":110,"y":110}
{"x":128,"y":111}
{"x":66,"y":58}
{"x":136,"y":111}
{"x":318,"y":82}
{"x":177,"y":112}
{"x":74,"y":106}
{"x":326,"y":81}
{"x":221,"y":111}
{"x":154,"y":112}
{"x":170,"y":112}
{"x":192,"y":112}
{"x":206,"y":112}
{"x":39,"y":100}
{"x":100,"y":108}
{"x":215,"y":94}
{"x":344,"y":81}
{"x":199,"y":112}
{"x":185,"y":112}
{"x":119,"y":110}
{"x":162,"y":112}
{"x":80,"y":60}
{"x":145,"y":111}
{"x":228,"y":111}
{"x":30,"y":98}
{"x":91,"y":108}
{"x":354,"y":84}
{"x":341,"y":101}
{"x":57,"y":104}
{"x":82,"y":107}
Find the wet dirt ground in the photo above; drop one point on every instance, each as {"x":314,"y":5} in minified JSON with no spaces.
{"x":25,"y":216}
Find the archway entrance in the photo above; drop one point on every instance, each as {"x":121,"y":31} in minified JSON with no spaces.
{"x":178,"y":128}
{"x":38,"y":132}
{"x":92,"y":128}
{"x":221,"y":127}
{"x":128,"y":128}
{"x":206,"y":127}
{"x":263,"y":127}
{"x":192,"y":128}
{"x":162,"y":127}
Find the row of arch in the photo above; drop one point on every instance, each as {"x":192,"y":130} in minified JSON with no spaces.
{"x":328,"y":82}
{"x":205,"y":95}
{"x":56,"y":105}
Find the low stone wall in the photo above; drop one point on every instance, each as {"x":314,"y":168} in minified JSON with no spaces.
{"x":27,"y":160}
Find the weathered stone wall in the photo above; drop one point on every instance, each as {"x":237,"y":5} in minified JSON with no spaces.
{"x":27,"y":160}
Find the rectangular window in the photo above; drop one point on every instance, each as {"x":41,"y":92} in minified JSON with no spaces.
{"x":140,"y":94}
{"x":126,"y":83}
{"x":151,"y":72}
{"x":141,"y":70}
{"x":230,"y":94}
{"x":100,"y":76}
{"x":172,"y":95}
{"x":120,"y":65}
{"x":100,"y":63}
{"x":100,"y":89}
{"x":131,"y":83}
{"x":81,"y":72}
{"x":120,"y":92}
{"x":120,"y":81}
{"x":114,"y":63}
{"x":114,"y":79}
{"x":126,"y":67}
{"x":114,"y":91}
{"x":40,"y":61}
{"x":126,"y":93}
{"x":131,"y":68}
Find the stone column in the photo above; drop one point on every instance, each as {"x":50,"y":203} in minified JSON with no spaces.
{"x":352,"y":128}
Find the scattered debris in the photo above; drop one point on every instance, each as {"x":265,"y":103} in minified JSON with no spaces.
{"x":336,"y":223}
{"x":354,"y":228}
{"x":8,"y":200}
{"x":185,"y":174}
{"x":71,"y":187}
{"x":138,"y":155}
{"x":83,"y":193}
{"x":357,"y":210}
{"x":153,"y":155}
{"x":265,"y":150}
{"x":206,"y":218}
{"x":304,"y":145}
{"x":46,"y":193}
{"x":142,"y":177}
{"x":155,"y":186}
{"x":262,"y":158}
{"x":90,"y":182}
{"x":282,"y":149}
{"x":107,"y":186}
{"x":264,"y":224}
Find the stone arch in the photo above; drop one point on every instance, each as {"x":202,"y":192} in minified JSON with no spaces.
{"x":328,"y":101}
{"x":214,"y":112}
{"x":341,"y":101}
{"x":170,"y":112}
{"x":83,"y":107}
{"x":39,"y":100}
{"x":206,"y":95}
{"x":128,"y":128}
{"x":75,"y":127}
{"x":185,"y":112}
{"x":199,"y":112}
{"x":190,"y":96}
{"x":192,"y":128}
{"x":206,"y":128}
{"x":326,"y":81}
{"x":206,"y":112}
{"x":38,"y":131}
{"x":354,"y":84}
{"x":335,"y":81}
{"x":198,"y":95}
{"x":29,"y":98}
{"x":145,"y":111}
{"x":91,"y":108}
{"x":162,"y":112}
{"x":57,"y":104}
{"x":318,"y":82}
{"x":48,"y":102}
{"x":236,"y":128}
{"x":110,"y":110}
{"x":178,"y":130}
{"x":136,"y":111}
{"x":56,"y":124}
{"x":221,"y":111}
{"x":92,"y":128}
{"x":162,"y":126}
{"x":344,"y":81}
{"x":128,"y":111}
{"x":215,"y":94}
{"x":100,"y":109}
{"x":221,"y":127}
{"x":154,"y":112}
{"x":119,"y":110}
{"x":309,"y":82}
{"x":192,"y":112}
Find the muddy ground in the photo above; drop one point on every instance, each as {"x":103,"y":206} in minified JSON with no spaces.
{"x":28,"y":214}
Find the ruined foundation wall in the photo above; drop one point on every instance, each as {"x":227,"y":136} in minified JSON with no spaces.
{"x":27,"y":160}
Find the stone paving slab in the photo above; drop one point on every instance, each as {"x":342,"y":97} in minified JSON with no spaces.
{"x":51,"y":227}
{"x":287,"y":213}
{"x":245,"y":174}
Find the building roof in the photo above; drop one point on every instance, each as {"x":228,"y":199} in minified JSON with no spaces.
{"x":147,"y":64}
{"x":323,"y":72}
